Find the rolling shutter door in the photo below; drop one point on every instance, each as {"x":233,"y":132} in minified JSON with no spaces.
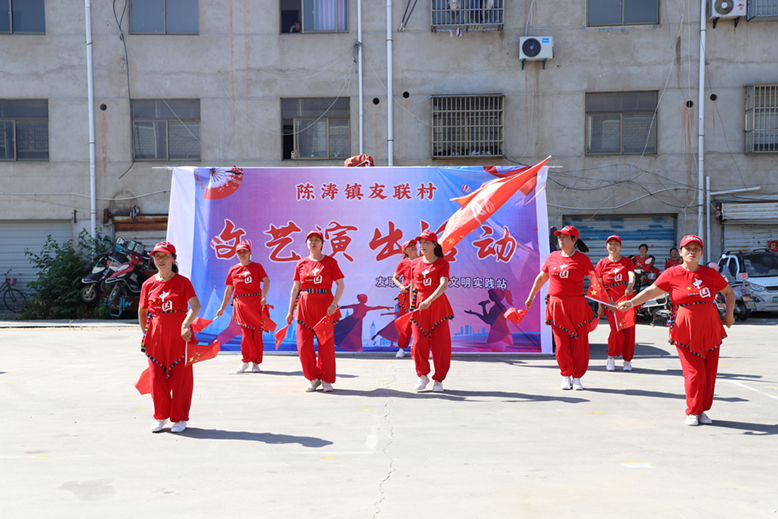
{"x":749,"y":226}
{"x":19,"y":235}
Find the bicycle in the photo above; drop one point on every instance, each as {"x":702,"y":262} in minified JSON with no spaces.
{"x":14,"y":299}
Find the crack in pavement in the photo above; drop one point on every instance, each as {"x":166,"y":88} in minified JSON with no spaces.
{"x":385,"y":450}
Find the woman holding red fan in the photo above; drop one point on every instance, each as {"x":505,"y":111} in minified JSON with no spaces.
{"x":312,"y":293}
{"x":567,"y":311}
{"x":402,"y":279}
{"x":618,"y":275}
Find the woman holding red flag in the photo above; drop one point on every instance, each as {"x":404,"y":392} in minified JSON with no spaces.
{"x":167,"y":308}
{"x":250,"y":284}
{"x":312,"y":294}
{"x":402,"y":278}
{"x":429,"y":281}
{"x":695,"y":326}
{"x":567,"y":311}
{"x":618,"y":276}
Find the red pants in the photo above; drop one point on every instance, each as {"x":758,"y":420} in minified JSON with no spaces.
{"x":699,"y":378}
{"x":180,"y":384}
{"x":251,"y":345}
{"x":322,"y":368}
{"x":572,"y":355}
{"x":621,"y":343}
{"x":440,"y":342}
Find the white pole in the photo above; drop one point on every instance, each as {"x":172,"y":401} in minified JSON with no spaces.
{"x":707,"y":220}
{"x":359,"y":57}
{"x":701,"y":117}
{"x":91,"y":102}
{"x":389,"y":122}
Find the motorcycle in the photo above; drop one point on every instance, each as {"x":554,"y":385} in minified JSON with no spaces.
{"x":105,"y":265}
{"x":653,"y":309}
{"x":128,"y":278}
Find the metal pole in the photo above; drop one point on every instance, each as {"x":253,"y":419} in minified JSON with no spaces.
{"x":359,"y":57}
{"x":389,"y":121}
{"x":707,"y":220}
{"x":701,"y":117}
{"x":91,"y":105}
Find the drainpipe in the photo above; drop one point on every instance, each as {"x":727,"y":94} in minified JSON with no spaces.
{"x":701,"y":118}
{"x":359,"y":57}
{"x":91,"y":103}
{"x":389,"y":121}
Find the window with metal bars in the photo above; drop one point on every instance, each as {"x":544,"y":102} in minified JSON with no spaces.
{"x":472,"y":15}
{"x":467,"y":126}
{"x":622,"y":12}
{"x":24,"y":129}
{"x":761,"y":125}
{"x":166,"y":130}
{"x":762,"y":10}
{"x":621,"y":123}
{"x":315,"y":128}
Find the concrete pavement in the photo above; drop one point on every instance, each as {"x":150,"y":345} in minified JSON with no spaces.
{"x":502,"y":441}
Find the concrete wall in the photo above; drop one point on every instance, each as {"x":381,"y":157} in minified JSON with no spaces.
{"x":239,"y":66}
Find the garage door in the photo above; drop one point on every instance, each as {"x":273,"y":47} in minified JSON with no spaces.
{"x":656,"y":231}
{"x":18,"y":235}
{"x":749,"y":225}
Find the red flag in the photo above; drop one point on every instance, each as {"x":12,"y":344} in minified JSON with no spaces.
{"x":515,"y":316}
{"x":597,"y":291}
{"x":280,"y":334}
{"x":481,"y":204}
{"x":594,"y":323}
{"x":267,"y":323}
{"x":324,"y":328}
{"x":143,"y":385}
{"x":404,"y":329}
{"x":624,"y":319}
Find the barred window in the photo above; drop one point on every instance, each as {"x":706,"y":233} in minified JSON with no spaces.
{"x":473,"y":15}
{"x":164,"y":17}
{"x":24,"y":129}
{"x":315,"y":128}
{"x":466,"y":126}
{"x":621,"y":123}
{"x":622,"y":12}
{"x":166,"y":130}
{"x":762,"y":10}
{"x":299,"y":16}
{"x":761,"y":119}
{"x":22,"y":17}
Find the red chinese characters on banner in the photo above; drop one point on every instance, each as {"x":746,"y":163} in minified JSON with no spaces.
{"x":402,"y":191}
{"x":390,"y":242}
{"x":503,"y":249}
{"x":337,"y":235}
{"x":354,"y":191}
{"x":329,"y":191}
{"x":305,"y":192}
{"x":428,"y":190}
{"x":281,"y":239}
{"x":377,"y":191}
{"x":227,"y":240}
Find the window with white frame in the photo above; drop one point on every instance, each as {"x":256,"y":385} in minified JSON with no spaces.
{"x":621,"y":123}
{"x":467,"y":126}
{"x":22,"y":17}
{"x":468,"y":14}
{"x":299,"y":16}
{"x":761,"y":119}
{"x":762,"y":10}
{"x":164,"y":17}
{"x":315,"y":128}
{"x":622,"y":12}
{"x":166,"y":130}
{"x":24,"y":129}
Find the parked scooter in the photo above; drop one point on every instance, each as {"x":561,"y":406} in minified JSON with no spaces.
{"x":105,"y":265}
{"x":128,"y":278}
{"x":652,"y":309}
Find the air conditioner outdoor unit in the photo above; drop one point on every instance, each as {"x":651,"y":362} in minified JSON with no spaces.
{"x":727,"y":8}
{"x":536,"y":47}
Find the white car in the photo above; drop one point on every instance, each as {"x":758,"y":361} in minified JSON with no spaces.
{"x":758,"y":270}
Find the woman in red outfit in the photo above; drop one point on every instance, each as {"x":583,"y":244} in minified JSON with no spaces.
{"x":696,"y":329}
{"x":429,"y":280}
{"x":674,"y":259}
{"x":313,"y":278}
{"x":167,"y":308}
{"x":567,"y":311}
{"x":250,"y":284}
{"x":402,"y":278}
{"x":618,"y":275}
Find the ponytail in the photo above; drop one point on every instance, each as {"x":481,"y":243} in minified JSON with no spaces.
{"x":438,"y":250}
{"x":581,"y":246}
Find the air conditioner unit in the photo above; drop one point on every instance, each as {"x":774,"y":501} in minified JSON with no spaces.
{"x":727,"y":8}
{"x":536,"y":48}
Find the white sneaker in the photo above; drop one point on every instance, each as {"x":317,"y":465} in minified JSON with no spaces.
{"x":326,"y":387}
{"x":627,"y":366}
{"x":400,"y":353}
{"x":421,"y":383}
{"x":312,"y":385}
{"x":255,"y":368}
{"x":611,"y":364}
{"x":243,"y":367}
{"x":437,"y":387}
{"x":158,"y":425}
{"x":566,"y":383}
{"x":692,"y":419}
{"x":703,"y":419}
{"x":179,"y":426}
{"x":577,"y":384}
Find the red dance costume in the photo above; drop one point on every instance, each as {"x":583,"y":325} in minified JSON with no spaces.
{"x":567,"y":311}
{"x":403,"y":271}
{"x":316,"y":279}
{"x":670,"y":262}
{"x":247,"y":308}
{"x":170,"y":373}
{"x":695,"y":330}
{"x":615,"y":276}
{"x":430,"y":326}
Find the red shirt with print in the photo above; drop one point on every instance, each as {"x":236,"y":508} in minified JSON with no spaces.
{"x":317,"y":274}
{"x":426,"y":276}
{"x":615,"y":275}
{"x":566,"y":274}
{"x":246,"y":279}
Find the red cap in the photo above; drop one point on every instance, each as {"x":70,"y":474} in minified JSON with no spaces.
{"x":568,"y":230}
{"x":689,"y":238}
{"x":315,"y":233}
{"x":406,"y":244}
{"x":164,"y":246}
{"x":428,"y":236}
{"x":244,"y":245}
{"x":613,"y":237}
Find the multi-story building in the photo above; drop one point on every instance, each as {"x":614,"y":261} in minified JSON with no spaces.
{"x":614,"y":100}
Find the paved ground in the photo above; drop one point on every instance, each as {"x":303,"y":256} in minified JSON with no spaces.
{"x":502,"y":441}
